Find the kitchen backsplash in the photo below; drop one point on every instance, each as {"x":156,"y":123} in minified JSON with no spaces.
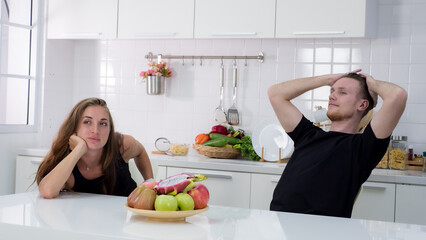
{"x":110,"y":69}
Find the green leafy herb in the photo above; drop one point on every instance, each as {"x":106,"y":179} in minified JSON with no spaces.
{"x":246,"y":147}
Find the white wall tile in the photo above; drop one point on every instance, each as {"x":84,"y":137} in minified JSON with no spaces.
{"x":399,"y":73}
{"x":400,"y":53}
{"x":418,"y":73}
{"x":323,"y":53}
{"x":416,"y":93}
{"x":342,"y":54}
{"x":380,"y":53}
{"x":418,"y":53}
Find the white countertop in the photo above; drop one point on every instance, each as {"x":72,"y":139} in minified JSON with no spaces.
{"x":91,"y":216}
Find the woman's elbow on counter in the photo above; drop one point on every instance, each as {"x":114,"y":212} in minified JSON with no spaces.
{"x":47,"y":193}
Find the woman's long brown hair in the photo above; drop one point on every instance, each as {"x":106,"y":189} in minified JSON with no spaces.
{"x":60,"y":147}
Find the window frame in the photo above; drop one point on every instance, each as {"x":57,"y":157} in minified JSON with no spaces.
{"x":38,"y":26}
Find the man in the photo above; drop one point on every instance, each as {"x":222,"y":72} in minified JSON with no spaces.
{"x":327,"y":169}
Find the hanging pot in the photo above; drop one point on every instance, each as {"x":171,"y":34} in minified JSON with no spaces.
{"x":155,"y":85}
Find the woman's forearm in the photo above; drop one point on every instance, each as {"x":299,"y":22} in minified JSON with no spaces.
{"x":55,"y":180}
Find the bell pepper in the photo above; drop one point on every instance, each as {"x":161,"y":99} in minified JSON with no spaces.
{"x":201,"y":138}
{"x":219,"y":129}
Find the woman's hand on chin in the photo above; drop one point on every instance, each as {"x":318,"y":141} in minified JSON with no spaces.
{"x":77,"y":142}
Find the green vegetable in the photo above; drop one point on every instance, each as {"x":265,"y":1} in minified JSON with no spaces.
{"x":218,"y":142}
{"x":230,"y":140}
{"x":246,"y":147}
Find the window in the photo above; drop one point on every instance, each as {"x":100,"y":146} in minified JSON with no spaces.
{"x":20,"y":51}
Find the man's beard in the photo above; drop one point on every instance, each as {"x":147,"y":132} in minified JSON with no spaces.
{"x":338,"y":116}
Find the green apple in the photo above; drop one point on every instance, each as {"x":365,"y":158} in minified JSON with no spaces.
{"x":185,"y":202}
{"x":166,"y":203}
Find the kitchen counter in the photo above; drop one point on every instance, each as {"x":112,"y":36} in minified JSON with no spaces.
{"x":194,"y":160}
{"x":92,"y":216}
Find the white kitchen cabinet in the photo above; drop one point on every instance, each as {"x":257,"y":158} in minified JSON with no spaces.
{"x":26,"y":169}
{"x":82,"y":19}
{"x":234,"y":19}
{"x":410,"y":204}
{"x":332,"y":18}
{"x":156,"y":19}
{"x":226,"y":188}
{"x":376,"y":202}
{"x":262,"y":188}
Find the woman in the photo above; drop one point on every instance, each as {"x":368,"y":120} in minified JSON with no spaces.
{"x":89,"y":156}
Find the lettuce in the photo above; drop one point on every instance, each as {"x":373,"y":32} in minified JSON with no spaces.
{"x":246,"y":147}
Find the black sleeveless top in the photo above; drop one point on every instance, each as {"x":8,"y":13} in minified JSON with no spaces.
{"x":124,"y":183}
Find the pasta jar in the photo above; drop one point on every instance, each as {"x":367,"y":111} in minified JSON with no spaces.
{"x":398,"y":152}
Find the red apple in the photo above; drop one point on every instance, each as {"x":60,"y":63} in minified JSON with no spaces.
{"x":149,"y":185}
{"x":200,"y":195}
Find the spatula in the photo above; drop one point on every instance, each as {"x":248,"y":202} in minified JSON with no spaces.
{"x":220,"y":114}
{"x":233,"y":116}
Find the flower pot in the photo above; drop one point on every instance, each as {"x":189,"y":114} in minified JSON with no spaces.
{"x":155,"y":85}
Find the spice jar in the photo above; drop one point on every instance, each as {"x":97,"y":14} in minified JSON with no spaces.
{"x":398,"y":152}
{"x":424,"y":161}
{"x":384,"y":163}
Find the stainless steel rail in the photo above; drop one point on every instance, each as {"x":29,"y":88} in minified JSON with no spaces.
{"x":150,"y":56}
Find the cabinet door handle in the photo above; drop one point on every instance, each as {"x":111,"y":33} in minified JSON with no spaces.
{"x":377,"y":188}
{"x":275,"y":179}
{"x":153,"y":34}
{"x":222,"y":176}
{"x":83,"y":35}
{"x":36,"y":161}
{"x":319,"y":33}
{"x":233,"y":33}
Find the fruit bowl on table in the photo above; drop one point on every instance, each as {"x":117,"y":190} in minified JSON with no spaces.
{"x":216,"y":152}
{"x":166,"y":215}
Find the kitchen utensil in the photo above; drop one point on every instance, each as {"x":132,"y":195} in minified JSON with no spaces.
{"x":162,"y":144}
{"x":220,"y":114}
{"x":233,"y":116}
{"x":270,"y":136}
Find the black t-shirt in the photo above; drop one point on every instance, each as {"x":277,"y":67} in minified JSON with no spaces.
{"x":326,"y":170}
{"x":124,"y":184}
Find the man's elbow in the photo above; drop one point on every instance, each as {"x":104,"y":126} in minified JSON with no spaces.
{"x":402,"y":95}
{"x":273,"y":93}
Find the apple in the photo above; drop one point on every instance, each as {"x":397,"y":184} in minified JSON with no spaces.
{"x":200,"y":195}
{"x":185,"y":202}
{"x":149,"y":185}
{"x":165,"y":203}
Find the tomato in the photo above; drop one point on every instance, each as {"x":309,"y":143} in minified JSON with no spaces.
{"x":201,"y":138}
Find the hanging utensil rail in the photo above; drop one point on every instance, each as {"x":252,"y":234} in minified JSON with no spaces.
{"x":151,"y":56}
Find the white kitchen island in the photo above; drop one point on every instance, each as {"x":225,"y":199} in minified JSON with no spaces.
{"x":92,"y":216}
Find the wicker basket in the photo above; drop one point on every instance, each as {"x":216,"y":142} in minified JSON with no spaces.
{"x":217,"y":152}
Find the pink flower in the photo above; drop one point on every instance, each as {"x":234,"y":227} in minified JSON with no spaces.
{"x":157,"y":69}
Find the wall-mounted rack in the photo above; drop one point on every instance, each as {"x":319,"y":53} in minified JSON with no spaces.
{"x":151,"y":56}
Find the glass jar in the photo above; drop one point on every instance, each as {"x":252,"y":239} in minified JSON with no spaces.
{"x":424,"y":161}
{"x":398,"y":152}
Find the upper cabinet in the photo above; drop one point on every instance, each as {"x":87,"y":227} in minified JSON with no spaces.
{"x":183,"y":19}
{"x":82,"y":19}
{"x":331,"y":18}
{"x":234,"y":19}
{"x":156,"y":19}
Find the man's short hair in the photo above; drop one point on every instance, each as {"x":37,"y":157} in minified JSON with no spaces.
{"x":364,"y":90}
